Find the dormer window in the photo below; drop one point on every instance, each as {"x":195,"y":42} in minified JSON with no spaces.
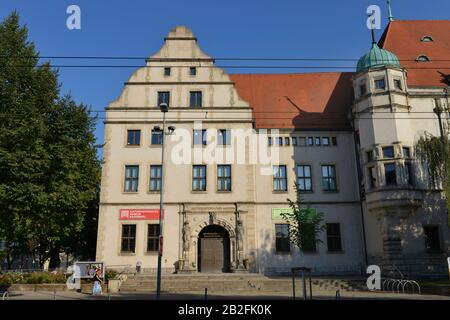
{"x":422,"y":58}
{"x":427,"y":39}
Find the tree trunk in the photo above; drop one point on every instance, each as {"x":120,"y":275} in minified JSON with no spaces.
{"x":55,"y":259}
{"x":9,"y":259}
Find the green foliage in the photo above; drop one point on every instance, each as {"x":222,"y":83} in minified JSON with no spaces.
{"x":49,"y":170}
{"x":305,"y":225}
{"x":32,"y":278}
{"x":435,"y":153}
{"x":110,"y":275}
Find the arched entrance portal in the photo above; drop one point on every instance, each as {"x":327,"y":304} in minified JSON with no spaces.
{"x":213,"y":250}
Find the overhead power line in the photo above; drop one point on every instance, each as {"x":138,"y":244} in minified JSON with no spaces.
{"x":224,"y":67}
{"x":201,"y":59}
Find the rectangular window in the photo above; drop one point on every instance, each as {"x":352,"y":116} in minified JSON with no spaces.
{"x":326,"y":141}
{"x":329,"y":178}
{"x":398,"y":84}
{"x":302,"y":141}
{"x":287,"y":141}
{"x":199,"y":178}
{"x":279,"y":178}
{"x":155,"y":177}
{"x":269,"y":141}
{"x":310,"y":141}
{"x":294,"y":141}
{"x":334,"y":141}
{"x":304,"y":179}
{"x":200,"y":137}
{"x":372,"y":180}
{"x":380,"y":84}
{"x":409,"y":173}
{"x":192,"y":71}
{"x":309,"y":238}
{"x":334,"y":242}
{"x":390,"y":174}
{"x":406,"y":152}
{"x":388,"y":152}
{"x":128,"y":243}
{"x":167,"y":72}
{"x":432,"y":240}
{"x":282,"y":242}
{"x":318,"y":141}
{"x":157,"y":137}
{"x":131,"y":178}
{"x":163,"y":97}
{"x":195,"y":99}
{"x":223,"y":137}
{"x":362,"y":89}
{"x":224,"y":177}
{"x":153,"y":238}
{"x":279,"y":141}
{"x":133,"y":137}
{"x":369,"y":156}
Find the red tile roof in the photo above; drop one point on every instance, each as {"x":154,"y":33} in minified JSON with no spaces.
{"x":316,"y":101}
{"x":320,"y":101}
{"x":403,"y":37}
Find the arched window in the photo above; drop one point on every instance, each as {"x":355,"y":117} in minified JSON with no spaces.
{"x":427,"y":39}
{"x":422,"y":58}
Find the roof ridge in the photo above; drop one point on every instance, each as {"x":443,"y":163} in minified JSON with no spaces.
{"x":288,"y":74}
{"x":423,"y":20}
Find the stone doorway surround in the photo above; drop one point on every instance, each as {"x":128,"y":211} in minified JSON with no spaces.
{"x":194,"y":218}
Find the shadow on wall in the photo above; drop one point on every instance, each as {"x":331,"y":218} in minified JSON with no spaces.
{"x":416,"y":209}
{"x":271,"y":263}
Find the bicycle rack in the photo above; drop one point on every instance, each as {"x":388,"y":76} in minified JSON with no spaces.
{"x":401,"y":286}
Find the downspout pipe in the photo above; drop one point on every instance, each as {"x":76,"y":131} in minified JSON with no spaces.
{"x":359,"y":173}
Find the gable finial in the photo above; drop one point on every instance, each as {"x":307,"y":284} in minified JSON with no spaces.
{"x":391,"y":17}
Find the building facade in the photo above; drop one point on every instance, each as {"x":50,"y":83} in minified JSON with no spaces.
{"x":239,"y":145}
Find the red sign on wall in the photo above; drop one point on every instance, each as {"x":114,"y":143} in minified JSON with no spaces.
{"x":139,"y":214}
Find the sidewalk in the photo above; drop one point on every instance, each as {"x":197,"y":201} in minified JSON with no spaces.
{"x":70,"y":295}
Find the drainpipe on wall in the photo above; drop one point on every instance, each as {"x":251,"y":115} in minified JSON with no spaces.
{"x":359,"y":173}
{"x":438,"y":111}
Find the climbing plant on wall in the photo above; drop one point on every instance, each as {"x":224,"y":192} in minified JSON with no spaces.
{"x":434,"y":152}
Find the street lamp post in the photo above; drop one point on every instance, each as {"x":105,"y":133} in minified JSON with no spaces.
{"x":164,"y":109}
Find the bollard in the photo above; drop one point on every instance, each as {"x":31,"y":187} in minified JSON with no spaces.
{"x":304,"y":285}
{"x":293,"y":285}
{"x":54,"y":294}
{"x":206,"y":293}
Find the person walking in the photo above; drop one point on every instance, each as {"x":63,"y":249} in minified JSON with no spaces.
{"x":97,"y":287}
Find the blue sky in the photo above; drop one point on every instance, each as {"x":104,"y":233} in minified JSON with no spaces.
{"x":245,"y":28}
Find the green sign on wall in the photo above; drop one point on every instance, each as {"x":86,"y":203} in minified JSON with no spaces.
{"x":276,"y":212}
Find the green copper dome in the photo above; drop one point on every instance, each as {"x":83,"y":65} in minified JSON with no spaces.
{"x":377,"y":57}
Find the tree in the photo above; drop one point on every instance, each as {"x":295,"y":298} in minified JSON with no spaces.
{"x":49,"y":171}
{"x":305,"y":224}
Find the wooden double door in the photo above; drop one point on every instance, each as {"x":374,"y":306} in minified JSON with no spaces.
{"x":214,"y":252}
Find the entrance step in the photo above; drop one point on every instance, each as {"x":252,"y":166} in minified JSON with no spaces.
{"x":225,"y":283}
